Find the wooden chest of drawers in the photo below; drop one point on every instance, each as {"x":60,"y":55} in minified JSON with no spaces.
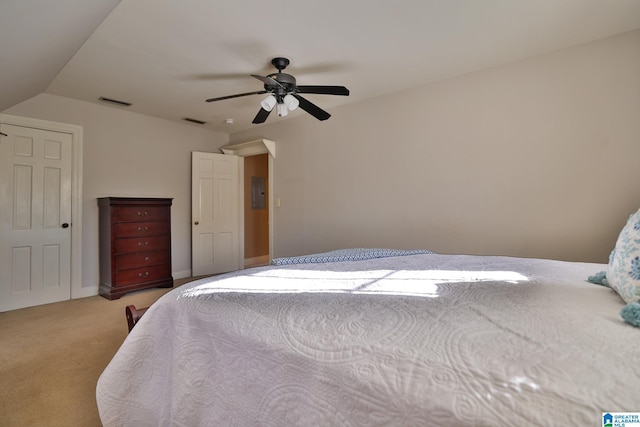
{"x":135,"y":244}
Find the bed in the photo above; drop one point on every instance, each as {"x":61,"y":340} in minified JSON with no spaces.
{"x":413,"y":339}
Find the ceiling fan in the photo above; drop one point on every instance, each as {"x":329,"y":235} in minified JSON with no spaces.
{"x":284,"y":94}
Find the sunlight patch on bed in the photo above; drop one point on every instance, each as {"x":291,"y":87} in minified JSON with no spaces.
{"x":423,"y":283}
{"x":519,"y":383}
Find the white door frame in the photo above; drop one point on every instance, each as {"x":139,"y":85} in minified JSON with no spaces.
{"x":253,"y":148}
{"x":77,"y":290}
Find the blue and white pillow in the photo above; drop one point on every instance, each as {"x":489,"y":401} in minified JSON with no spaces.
{"x":623,"y":273}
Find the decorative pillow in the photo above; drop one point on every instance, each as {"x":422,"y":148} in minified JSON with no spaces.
{"x":631,"y":314}
{"x":624,"y":263}
{"x":599,"y":279}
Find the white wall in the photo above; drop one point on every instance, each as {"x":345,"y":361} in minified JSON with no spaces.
{"x":537,"y":158}
{"x":129,"y":154}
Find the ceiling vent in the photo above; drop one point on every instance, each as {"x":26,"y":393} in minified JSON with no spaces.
{"x":196,"y":121}
{"x":115,"y":102}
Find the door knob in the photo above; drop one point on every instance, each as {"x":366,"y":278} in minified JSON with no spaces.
{"x":65,"y":225}
{"x":196,"y":223}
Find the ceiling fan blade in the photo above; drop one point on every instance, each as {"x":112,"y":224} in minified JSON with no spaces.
{"x":324,"y":90}
{"x":267,"y":80}
{"x":236,"y":96}
{"x":261,"y":116}
{"x":312,"y":108}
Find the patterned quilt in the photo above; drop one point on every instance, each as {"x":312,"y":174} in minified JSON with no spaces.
{"x":351,"y":254}
{"x":413,"y":340}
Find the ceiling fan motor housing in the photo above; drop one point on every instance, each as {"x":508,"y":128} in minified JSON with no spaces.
{"x":287,"y":84}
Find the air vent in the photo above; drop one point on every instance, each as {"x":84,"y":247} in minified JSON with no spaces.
{"x":189,"y":119}
{"x":115,"y":101}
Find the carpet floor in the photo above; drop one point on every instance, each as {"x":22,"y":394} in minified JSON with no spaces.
{"x":52,"y":355}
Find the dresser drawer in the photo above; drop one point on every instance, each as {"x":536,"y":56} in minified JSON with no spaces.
{"x":132,"y":229}
{"x":140,"y":275}
{"x":141,"y":244}
{"x":140,"y":260}
{"x":140,"y":213}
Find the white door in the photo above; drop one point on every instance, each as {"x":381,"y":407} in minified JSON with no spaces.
{"x":35,"y":217}
{"x":215,"y":227}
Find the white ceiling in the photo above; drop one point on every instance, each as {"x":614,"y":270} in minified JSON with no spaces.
{"x":167,"y":56}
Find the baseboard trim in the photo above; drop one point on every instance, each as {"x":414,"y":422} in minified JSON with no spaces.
{"x":181,"y":274}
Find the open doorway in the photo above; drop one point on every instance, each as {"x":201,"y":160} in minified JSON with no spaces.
{"x":256,"y":210}
{"x":248,"y":150}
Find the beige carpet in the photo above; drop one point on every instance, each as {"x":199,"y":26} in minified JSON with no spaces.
{"x":52,"y":355}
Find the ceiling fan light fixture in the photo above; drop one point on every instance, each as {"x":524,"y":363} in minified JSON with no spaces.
{"x":281,"y":109}
{"x":269,"y":102}
{"x":284,"y":93}
{"x":291,"y":102}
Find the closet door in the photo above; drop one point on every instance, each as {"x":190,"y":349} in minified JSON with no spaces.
{"x":35,"y":219}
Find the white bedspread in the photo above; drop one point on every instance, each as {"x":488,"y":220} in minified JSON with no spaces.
{"x":420,"y":340}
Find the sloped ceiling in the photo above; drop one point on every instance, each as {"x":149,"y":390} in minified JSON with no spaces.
{"x":166,"y":57}
{"x":38,"y":38}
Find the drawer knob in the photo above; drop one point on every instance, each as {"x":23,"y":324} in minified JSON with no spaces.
{"x":145,"y":274}
{"x":143,"y":213}
{"x":143,"y":243}
{"x":143,"y":228}
{"x":146,"y":258}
